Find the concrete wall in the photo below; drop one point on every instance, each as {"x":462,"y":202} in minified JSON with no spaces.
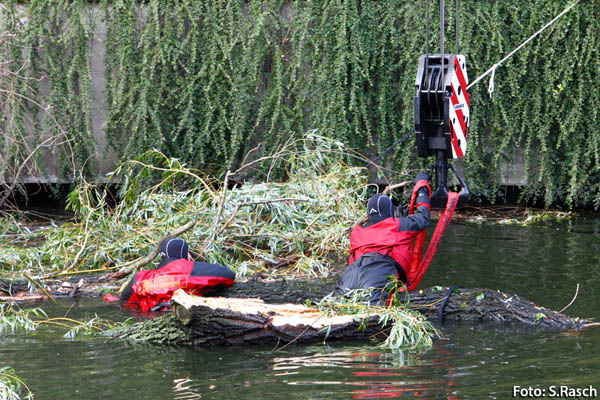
{"x":105,"y":157}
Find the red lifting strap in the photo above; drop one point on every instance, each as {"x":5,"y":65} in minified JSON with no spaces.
{"x":418,"y":265}
{"x":413,"y":197}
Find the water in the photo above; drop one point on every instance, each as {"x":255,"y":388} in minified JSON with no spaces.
{"x":543,"y":263}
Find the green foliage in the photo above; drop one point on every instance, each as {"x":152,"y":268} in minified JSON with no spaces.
{"x":539,"y":317}
{"x":402,"y":326}
{"x":11,"y":386}
{"x":14,"y":319}
{"x":93,"y":326}
{"x":49,"y":48}
{"x":206,"y":81}
{"x":201,"y":81}
{"x":300,"y":223}
{"x":61,"y":43}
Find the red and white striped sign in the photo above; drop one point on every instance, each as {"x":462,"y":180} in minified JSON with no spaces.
{"x":459,"y":108}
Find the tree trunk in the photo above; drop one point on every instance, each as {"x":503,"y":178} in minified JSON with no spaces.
{"x":234,"y":321}
{"x":489,"y":305}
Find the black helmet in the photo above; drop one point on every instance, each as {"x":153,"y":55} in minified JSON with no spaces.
{"x":174,"y":248}
{"x":380,"y":207}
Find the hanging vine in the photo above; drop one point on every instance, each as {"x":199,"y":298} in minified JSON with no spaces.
{"x":33,"y":144}
{"x":207,"y":81}
{"x":59,"y":34}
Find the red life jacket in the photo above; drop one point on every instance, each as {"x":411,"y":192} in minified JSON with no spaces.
{"x":383,"y":237}
{"x":157,"y":286}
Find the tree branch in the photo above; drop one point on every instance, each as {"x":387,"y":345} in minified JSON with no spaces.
{"x":130,"y":266}
{"x":254,"y":203}
{"x":571,"y":302}
{"x":9,"y":189}
{"x":389,"y":189}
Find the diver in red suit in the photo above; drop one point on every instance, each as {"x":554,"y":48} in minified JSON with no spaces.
{"x":381,"y":248}
{"x":151,"y":290}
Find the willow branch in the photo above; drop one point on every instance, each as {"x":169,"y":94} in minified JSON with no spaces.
{"x":250,"y":152}
{"x":40,"y":287}
{"x":8,"y":190}
{"x":389,"y":189}
{"x":221,"y":206}
{"x":87,"y":235}
{"x":571,"y":302}
{"x":132,"y":265}
{"x":175,"y":170}
{"x":73,"y":273}
{"x":254,"y":203}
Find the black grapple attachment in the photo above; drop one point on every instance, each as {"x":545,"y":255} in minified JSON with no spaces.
{"x":442,"y":118}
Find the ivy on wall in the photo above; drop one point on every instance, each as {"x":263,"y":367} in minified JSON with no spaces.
{"x":45,"y":96}
{"x":206,"y":81}
{"x":58,"y":35}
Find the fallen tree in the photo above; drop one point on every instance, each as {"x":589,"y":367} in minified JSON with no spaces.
{"x":233,"y":321}
{"x":220,"y":320}
{"x":471,"y":304}
{"x":489,"y":305}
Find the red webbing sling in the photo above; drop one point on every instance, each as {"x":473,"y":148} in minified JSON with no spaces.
{"x":418,"y":265}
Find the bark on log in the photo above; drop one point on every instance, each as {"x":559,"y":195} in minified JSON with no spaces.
{"x":234,"y":321}
{"x":220,"y":320}
{"x":489,"y":305}
{"x":463,"y":304}
{"x":22,"y":299}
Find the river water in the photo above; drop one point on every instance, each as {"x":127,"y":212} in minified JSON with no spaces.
{"x":543,"y":263}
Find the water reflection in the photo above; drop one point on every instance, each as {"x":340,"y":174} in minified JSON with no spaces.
{"x":183,"y":389}
{"x":374,"y":374}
